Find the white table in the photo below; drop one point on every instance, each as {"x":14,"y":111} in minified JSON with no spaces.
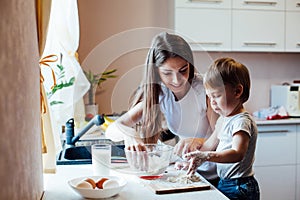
{"x":56,"y":186}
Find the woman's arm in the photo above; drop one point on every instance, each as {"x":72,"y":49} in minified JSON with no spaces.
{"x":132,"y":116}
{"x":123,"y":127}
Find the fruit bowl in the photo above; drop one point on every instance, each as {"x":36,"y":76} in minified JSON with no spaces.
{"x":97,"y":193}
{"x":150,"y":163}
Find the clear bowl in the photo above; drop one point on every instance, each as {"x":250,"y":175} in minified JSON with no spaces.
{"x":151,"y":163}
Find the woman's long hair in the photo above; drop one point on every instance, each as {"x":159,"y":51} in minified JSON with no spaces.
{"x":164,"y":46}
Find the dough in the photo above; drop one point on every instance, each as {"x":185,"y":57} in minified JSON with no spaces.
{"x":184,"y":179}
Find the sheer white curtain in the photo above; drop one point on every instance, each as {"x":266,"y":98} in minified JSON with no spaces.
{"x":65,"y":91}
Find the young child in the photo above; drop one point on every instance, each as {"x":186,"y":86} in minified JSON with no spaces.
{"x":232,"y":145}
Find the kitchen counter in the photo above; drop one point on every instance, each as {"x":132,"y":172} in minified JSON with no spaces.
{"x":56,"y":186}
{"x":278,"y":121}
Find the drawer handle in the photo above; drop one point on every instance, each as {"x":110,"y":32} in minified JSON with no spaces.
{"x":207,"y":43}
{"x":209,"y":1}
{"x":260,"y":43}
{"x":298,"y":44}
{"x":298,"y":4}
{"x":261,"y":2}
{"x":274,"y":131}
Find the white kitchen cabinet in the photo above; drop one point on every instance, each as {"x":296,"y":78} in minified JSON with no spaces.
{"x":245,"y":25}
{"x":258,"y":30}
{"x":276,"y":145}
{"x":259,"y":4}
{"x":205,"y":24}
{"x":298,"y":147}
{"x":205,"y":29}
{"x":275,"y":161}
{"x":223,"y":4}
{"x":276,"y":183}
{"x":292,"y":5}
{"x":298,"y":182}
{"x":292,"y":37}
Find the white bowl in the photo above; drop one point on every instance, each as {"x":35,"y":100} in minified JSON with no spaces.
{"x":150,"y":163}
{"x":97,"y":193}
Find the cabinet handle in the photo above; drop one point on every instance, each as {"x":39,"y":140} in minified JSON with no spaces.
{"x":216,"y":1}
{"x":274,"y":131}
{"x":298,"y":44}
{"x":260,"y":43}
{"x":298,"y":4}
{"x":207,"y":43}
{"x":261,"y":2}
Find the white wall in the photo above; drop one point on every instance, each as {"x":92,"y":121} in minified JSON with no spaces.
{"x":103,"y":21}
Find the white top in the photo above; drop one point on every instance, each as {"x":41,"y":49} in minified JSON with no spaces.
{"x":228,"y":126}
{"x":186,"y":117}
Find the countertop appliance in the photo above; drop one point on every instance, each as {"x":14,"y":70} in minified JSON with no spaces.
{"x":287,"y":96}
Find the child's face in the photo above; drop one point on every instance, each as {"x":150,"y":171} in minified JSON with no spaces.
{"x":174,"y":73}
{"x":224,"y":100}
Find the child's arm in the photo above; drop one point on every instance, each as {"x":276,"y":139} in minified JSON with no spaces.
{"x":239,"y":148}
{"x":235,"y":154}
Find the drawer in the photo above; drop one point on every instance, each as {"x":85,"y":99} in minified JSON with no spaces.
{"x":276,"y":145}
{"x":277,"y":182}
{"x":222,"y":4}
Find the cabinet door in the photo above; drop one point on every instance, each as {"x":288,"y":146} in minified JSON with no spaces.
{"x":276,"y":145}
{"x":276,"y":183}
{"x":256,"y":30}
{"x":203,"y":3}
{"x":205,"y":29}
{"x":292,"y":38}
{"x":259,"y":4}
{"x":298,"y":147}
{"x":298,"y":182}
{"x":292,"y":5}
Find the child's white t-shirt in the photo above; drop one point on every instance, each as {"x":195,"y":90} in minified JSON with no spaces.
{"x":228,"y":127}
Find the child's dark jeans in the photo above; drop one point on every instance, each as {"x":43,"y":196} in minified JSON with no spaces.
{"x":245,"y":188}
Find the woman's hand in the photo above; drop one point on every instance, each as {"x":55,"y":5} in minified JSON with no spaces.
{"x":136,"y":153}
{"x":188,"y":145}
{"x":134,"y":143}
{"x":137,"y":158}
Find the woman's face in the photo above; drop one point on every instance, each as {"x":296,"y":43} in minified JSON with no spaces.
{"x":174,"y":73}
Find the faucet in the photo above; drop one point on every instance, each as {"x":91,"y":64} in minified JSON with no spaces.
{"x":70,"y":139}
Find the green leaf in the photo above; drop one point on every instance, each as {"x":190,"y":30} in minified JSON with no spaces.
{"x":56,"y":102}
{"x":60,"y":67}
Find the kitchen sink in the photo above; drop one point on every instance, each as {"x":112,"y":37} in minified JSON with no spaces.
{"x":81,"y":154}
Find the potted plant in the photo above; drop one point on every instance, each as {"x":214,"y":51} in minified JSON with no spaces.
{"x":95,"y":80}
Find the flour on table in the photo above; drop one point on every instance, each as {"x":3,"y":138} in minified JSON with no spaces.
{"x":184,"y":179}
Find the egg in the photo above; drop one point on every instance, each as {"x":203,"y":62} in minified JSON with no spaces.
{"x":84,"y":184}
{"x":100,"y":183}
{"x":110,"y":184}
{"x":91,"y":182}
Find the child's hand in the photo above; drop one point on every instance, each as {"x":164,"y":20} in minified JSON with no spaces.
{"x":181,"y":165}
{"x":195,"y":158}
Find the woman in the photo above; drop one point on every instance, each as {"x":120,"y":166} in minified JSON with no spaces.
{"x":173,"y":91}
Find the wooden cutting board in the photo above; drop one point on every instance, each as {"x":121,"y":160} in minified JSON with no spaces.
{"x":163,"y":186}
